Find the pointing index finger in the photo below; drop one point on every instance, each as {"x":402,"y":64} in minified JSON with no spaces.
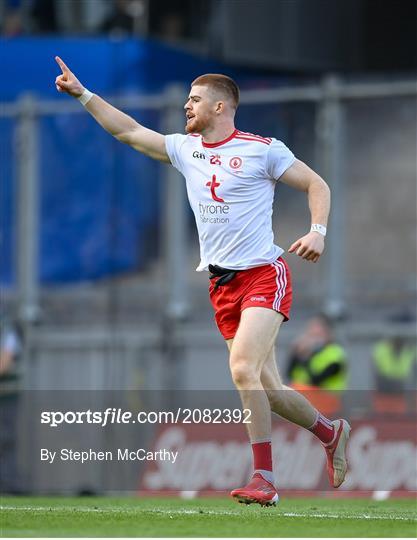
{"x":62,"y":65}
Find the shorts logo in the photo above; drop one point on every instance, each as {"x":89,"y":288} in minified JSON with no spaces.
{"x":235,"y":162}
{"x":258,"y":299}
{"x":215,"y":160}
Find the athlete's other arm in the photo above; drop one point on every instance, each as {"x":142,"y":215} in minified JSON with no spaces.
{"x":301,"y":177}
{"x":117,"y":123}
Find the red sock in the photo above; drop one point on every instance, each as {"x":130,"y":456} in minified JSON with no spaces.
{"x":323,"y":429}
{"x":262,"y":456}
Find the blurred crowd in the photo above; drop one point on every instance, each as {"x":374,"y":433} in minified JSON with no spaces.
{"x":318,"y":365}
{"x":173,"y":20}
{"x":10,"y":352}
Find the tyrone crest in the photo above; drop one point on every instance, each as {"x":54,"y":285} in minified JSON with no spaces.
{"x":235,"y":163}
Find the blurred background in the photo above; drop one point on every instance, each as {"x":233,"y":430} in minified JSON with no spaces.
{"x":98,"y":248}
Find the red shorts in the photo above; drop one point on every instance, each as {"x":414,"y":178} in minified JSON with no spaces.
{"x":267,"y":286}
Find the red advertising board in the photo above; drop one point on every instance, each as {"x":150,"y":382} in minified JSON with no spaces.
{"x":382,"y":457}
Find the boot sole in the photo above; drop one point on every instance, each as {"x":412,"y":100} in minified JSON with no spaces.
{"x":250,"y":500}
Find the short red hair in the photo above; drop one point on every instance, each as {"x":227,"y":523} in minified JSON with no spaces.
{"x":220,"y":83}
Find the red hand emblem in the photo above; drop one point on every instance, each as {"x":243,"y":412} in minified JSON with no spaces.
{"x":212,"y":184}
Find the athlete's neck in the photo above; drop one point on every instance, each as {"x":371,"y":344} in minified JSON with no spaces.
{"x":217,"y":134}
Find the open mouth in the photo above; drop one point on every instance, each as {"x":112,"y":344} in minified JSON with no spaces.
{"x":189,"y":117}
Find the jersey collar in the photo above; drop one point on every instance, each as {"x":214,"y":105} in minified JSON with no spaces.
{"x":219,"y":143}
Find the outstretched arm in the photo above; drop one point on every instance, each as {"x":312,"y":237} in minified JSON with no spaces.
{"x":117,"y":123}
{"x":301,"y":177}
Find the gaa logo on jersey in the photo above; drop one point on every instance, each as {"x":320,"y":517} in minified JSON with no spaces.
{"x":235,"y":163}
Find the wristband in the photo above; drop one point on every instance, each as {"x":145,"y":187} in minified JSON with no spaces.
{"x":321,"y":229}
{"x":85,"y":97}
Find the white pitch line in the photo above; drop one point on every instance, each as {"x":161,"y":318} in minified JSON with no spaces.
{"x":204,"y":512}
{"x":347,"y":516}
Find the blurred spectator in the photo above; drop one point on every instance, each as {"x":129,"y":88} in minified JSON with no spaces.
{"x":172,"y":27}
{"x":10,"y":347}
{"x":126,"y":18}
{"x":394,"y":365}
{"x":394,"y":370}
{"x":29,"y":16}
{"x":43,"y":14}
{"x":13,"y":24}
{"x":171,"y":21}
{"x":316,"y":360}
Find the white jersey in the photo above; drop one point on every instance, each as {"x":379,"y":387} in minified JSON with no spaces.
{"x":230,"y":186}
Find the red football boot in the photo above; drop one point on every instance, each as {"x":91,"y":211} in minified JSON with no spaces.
{"x":257,"y":491}
{"x":336,"y":453}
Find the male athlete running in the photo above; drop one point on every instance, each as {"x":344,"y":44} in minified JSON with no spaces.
{"x":230,"y":178}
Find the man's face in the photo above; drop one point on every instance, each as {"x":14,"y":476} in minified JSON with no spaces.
{"x":318,"y":331}
{"x":200,"y":109}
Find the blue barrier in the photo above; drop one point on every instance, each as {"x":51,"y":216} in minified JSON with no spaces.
{"x":99,"y":200}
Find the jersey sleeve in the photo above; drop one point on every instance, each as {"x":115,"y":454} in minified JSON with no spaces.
{"x":173,"y":145}
{"x":279,"y":158}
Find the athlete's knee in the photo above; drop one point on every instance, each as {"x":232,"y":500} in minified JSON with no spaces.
{"x":243,"y":372}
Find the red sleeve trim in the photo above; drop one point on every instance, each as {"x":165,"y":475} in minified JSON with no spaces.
{"x":253,"y":136}
{"x":253,"y":139}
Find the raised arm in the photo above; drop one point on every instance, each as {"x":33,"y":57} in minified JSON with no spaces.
{"x":117,"y":123}
{"x":301,"y":177}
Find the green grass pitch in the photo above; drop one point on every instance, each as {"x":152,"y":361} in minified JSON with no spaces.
{"x":205,"y":517}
